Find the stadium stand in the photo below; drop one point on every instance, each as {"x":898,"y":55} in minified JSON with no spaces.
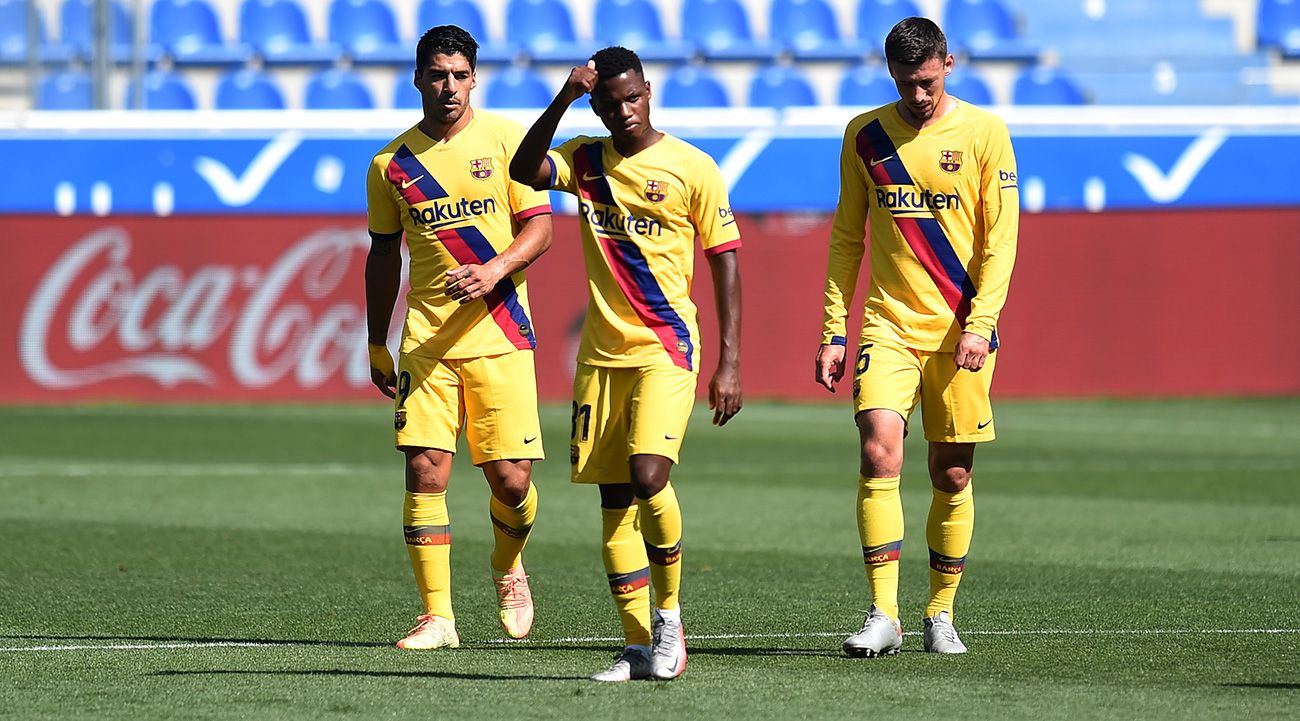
{"x":247,"y":89}
{"x":187,"y":31}
{"x":808,"y":30}
{"x":65,"y":90}
{"x":163,"y":90}
{"x":13,"y":30}
{"x":636,"y":24}
{"x":1046,"y":86}
{"x":367,"y":31}
{"x":76,"y":29}
{"x":966,"y":83}
{"x":867,"y":85}
{"x":692,"y":86}
{"x":876,"y":17}
{"x":405,"y":96}
{"x":1278,"y":26}
{"x":781,"y":86}
{"x":337,"y":89}
{"x":544,"y":28}
{"x":722,"y":31}
{"x":518,"y":87}
{"x":278,"y":33}
{"x":465,"y":14}
{"x":985,"y":30}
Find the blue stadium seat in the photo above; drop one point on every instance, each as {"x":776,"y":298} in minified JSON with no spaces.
{"x":246,"y":89}
{"x":337,"y":89}
{"x":721,"y":30}
{"x":544,"y":29}
{"x":277,"y":31}
{"x":1045,"y":86}
{"x":187,"y":30}
{"x":163,"y":90}
{"x":13,"y":30}
{"x":809,"y":31}
{"x":466,"y":14}
{"x":405,"y":96}
{"x":636,"y":24}
{"x":367,"y":31}
{"x":692,"y":86}
{"x":877,"y":17}
{"x":1279,"y":26}
{"x":781,"y":86}
{"x":76,"y":29}
{"x":867,"y":86}
{"x":66,"y":90}
{"x":985,"y":29}
{"x":518,"y":87}
{"x":966,"y":83}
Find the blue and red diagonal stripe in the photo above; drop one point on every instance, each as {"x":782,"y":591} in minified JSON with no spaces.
{"x":620,"y":583}
{"x":924,"y":236}
{"x":647,"y":299}
{"x":589,"y":169}
{"x":468,"y":245}
{"x":412,"y":179}
{"x":884,"y":553}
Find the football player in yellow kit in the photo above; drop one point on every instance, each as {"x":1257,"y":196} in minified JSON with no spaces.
{"x":466,"y":359}
{"x":935,"y":179}
{"x":644,"y":196}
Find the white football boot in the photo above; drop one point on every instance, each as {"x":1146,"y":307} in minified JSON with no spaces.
{"x":941,"y":636}
{"x":880,"y":635}
{"x":632,"y":663}
{"x":668,"y":654}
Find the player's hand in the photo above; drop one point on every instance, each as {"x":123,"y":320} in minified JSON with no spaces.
{"x":469,"y":282}
{"x":724,"y":395}
{"x":830,"y":365}
{"x":972,"y":350}
{"x":581,"y":80}
{"x":382,"y":372}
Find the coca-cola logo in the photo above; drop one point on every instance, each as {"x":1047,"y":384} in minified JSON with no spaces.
{"x":94,"y":318}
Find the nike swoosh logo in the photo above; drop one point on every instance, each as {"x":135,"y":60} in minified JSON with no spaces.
{"x":670,"y":438}
{"x":236,"y":191}
{"x":878,"y":161}
{"x":1167,"y":187}
{"x":412,"y":181}
{"x":530,"y":440}
{"x":588,"y":178}
{"x":982,"y":425}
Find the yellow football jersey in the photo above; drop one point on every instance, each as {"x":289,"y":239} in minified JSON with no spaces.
{"x":457,"y":205}
{"x":640,"y":217}
{"x":944,"y":210}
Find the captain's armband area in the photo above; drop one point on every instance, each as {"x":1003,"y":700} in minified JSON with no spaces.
{"x":384,"y":243}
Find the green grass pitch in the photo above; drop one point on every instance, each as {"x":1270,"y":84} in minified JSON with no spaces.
{"x":1132,"y":560}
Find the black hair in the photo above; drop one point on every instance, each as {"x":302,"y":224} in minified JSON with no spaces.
{"x":914,"y":40}
{"x":445,"y":40}
{"x":616,"y":60}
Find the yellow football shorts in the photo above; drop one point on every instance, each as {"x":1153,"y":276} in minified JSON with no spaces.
{"x":955,"y":405}
{"x":621,"y":412}
{"x":494,"y":398}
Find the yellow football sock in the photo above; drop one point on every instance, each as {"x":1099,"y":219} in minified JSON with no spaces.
{"x":626,"y":565}
{"x":661,"y":525}
{"x":948,"y":532}
{"x":510,"y":528}
{"x":880,"y":526}
{"x":428,"y":543}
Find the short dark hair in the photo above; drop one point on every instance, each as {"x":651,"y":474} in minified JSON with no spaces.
{"x":445,"y":40}
{"x":614,"y":61}
{"x":914,"y":40}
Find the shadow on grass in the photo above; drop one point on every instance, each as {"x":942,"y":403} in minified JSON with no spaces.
{"x":1270,"y":686}
{"x":375,"y":674}
{"x":195,"y":639}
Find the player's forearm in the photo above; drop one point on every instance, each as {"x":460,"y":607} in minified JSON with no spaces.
{"x":725,"y":269}
{"x":843,"y":264}
{"x":529,"y":165}
{"x":383,"y":283}
{"x":533,"y":240}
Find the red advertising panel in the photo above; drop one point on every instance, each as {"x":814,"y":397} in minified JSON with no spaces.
{"x":271,"y":308}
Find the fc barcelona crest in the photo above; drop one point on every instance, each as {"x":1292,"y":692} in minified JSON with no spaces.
{"x":481,"y":168}
{"x":950,"y":160}
{"x":655,"y":191}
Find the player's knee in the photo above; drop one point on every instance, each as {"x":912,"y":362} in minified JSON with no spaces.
{"x":509,"y":480}
{"x":881,"y":459}
{"x":649,"y":474}
{"x":425,"y":473}
{"x":951,"y":479}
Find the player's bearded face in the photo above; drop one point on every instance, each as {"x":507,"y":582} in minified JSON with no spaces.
{"x":921,"y":87}
{"x":623,"y":104}
{"x":444,"y":86}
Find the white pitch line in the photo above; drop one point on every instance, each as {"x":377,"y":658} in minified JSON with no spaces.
{"x":696,"y":637}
